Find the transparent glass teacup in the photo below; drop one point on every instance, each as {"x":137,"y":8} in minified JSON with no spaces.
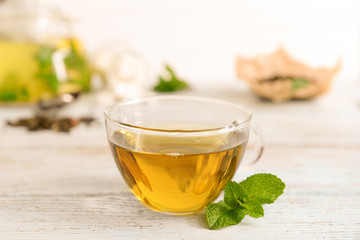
{"x":176,"y":153}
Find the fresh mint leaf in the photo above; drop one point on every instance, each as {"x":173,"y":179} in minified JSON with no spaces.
{"x":172,"y":84}
{"x":234,"y":193}
{"x":253,"y":208}
{"x":220,"y":215}
{"x":236,"y":196}
{"x":299,"y":83}
{"x":263,"y":187}
{"x":171,"y":71}
{"x":244,"y":198}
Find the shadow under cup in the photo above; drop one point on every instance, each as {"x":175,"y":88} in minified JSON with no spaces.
{"x":176,"y":153}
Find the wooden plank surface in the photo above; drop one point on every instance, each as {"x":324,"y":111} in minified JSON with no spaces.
{"x":57,"y":186}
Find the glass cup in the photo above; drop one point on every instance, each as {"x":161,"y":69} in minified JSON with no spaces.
{"x":176,"y":153}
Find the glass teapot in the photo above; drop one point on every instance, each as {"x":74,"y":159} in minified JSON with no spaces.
{"x":39,"y":56}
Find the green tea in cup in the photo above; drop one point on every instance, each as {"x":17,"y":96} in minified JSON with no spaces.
{"x":177,"y":153}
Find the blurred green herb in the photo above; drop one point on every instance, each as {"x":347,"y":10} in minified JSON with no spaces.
{"x":11,"y":90}
{"x":46,"y":72}
{"x":76,"y":62}
{"x":43,"y":56}
{"x":76,"y":66}
{"x":172,"y":84}
{"x":299,"y":83}
{"x":244,"y":198}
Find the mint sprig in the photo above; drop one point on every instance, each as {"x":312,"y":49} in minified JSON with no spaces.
{"x":244,"y":198}
{"x":172,"y":84}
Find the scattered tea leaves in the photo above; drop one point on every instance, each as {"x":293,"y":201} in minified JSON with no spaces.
{"x":55,"y":124}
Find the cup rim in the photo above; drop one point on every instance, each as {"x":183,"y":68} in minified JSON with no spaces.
{"x":227,"y":128}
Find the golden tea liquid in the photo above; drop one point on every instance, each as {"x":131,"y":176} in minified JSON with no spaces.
{"x":176,"y":174}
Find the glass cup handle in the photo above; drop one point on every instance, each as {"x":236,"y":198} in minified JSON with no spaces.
{"x":257,"y":147}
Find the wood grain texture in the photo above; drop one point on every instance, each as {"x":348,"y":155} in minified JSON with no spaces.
{"x":66,"y":186}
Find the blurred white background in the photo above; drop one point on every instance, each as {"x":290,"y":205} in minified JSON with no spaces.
{"x":201,"y":39}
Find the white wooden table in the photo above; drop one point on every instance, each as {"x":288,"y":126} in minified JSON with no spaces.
{"x":66,"y":186}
